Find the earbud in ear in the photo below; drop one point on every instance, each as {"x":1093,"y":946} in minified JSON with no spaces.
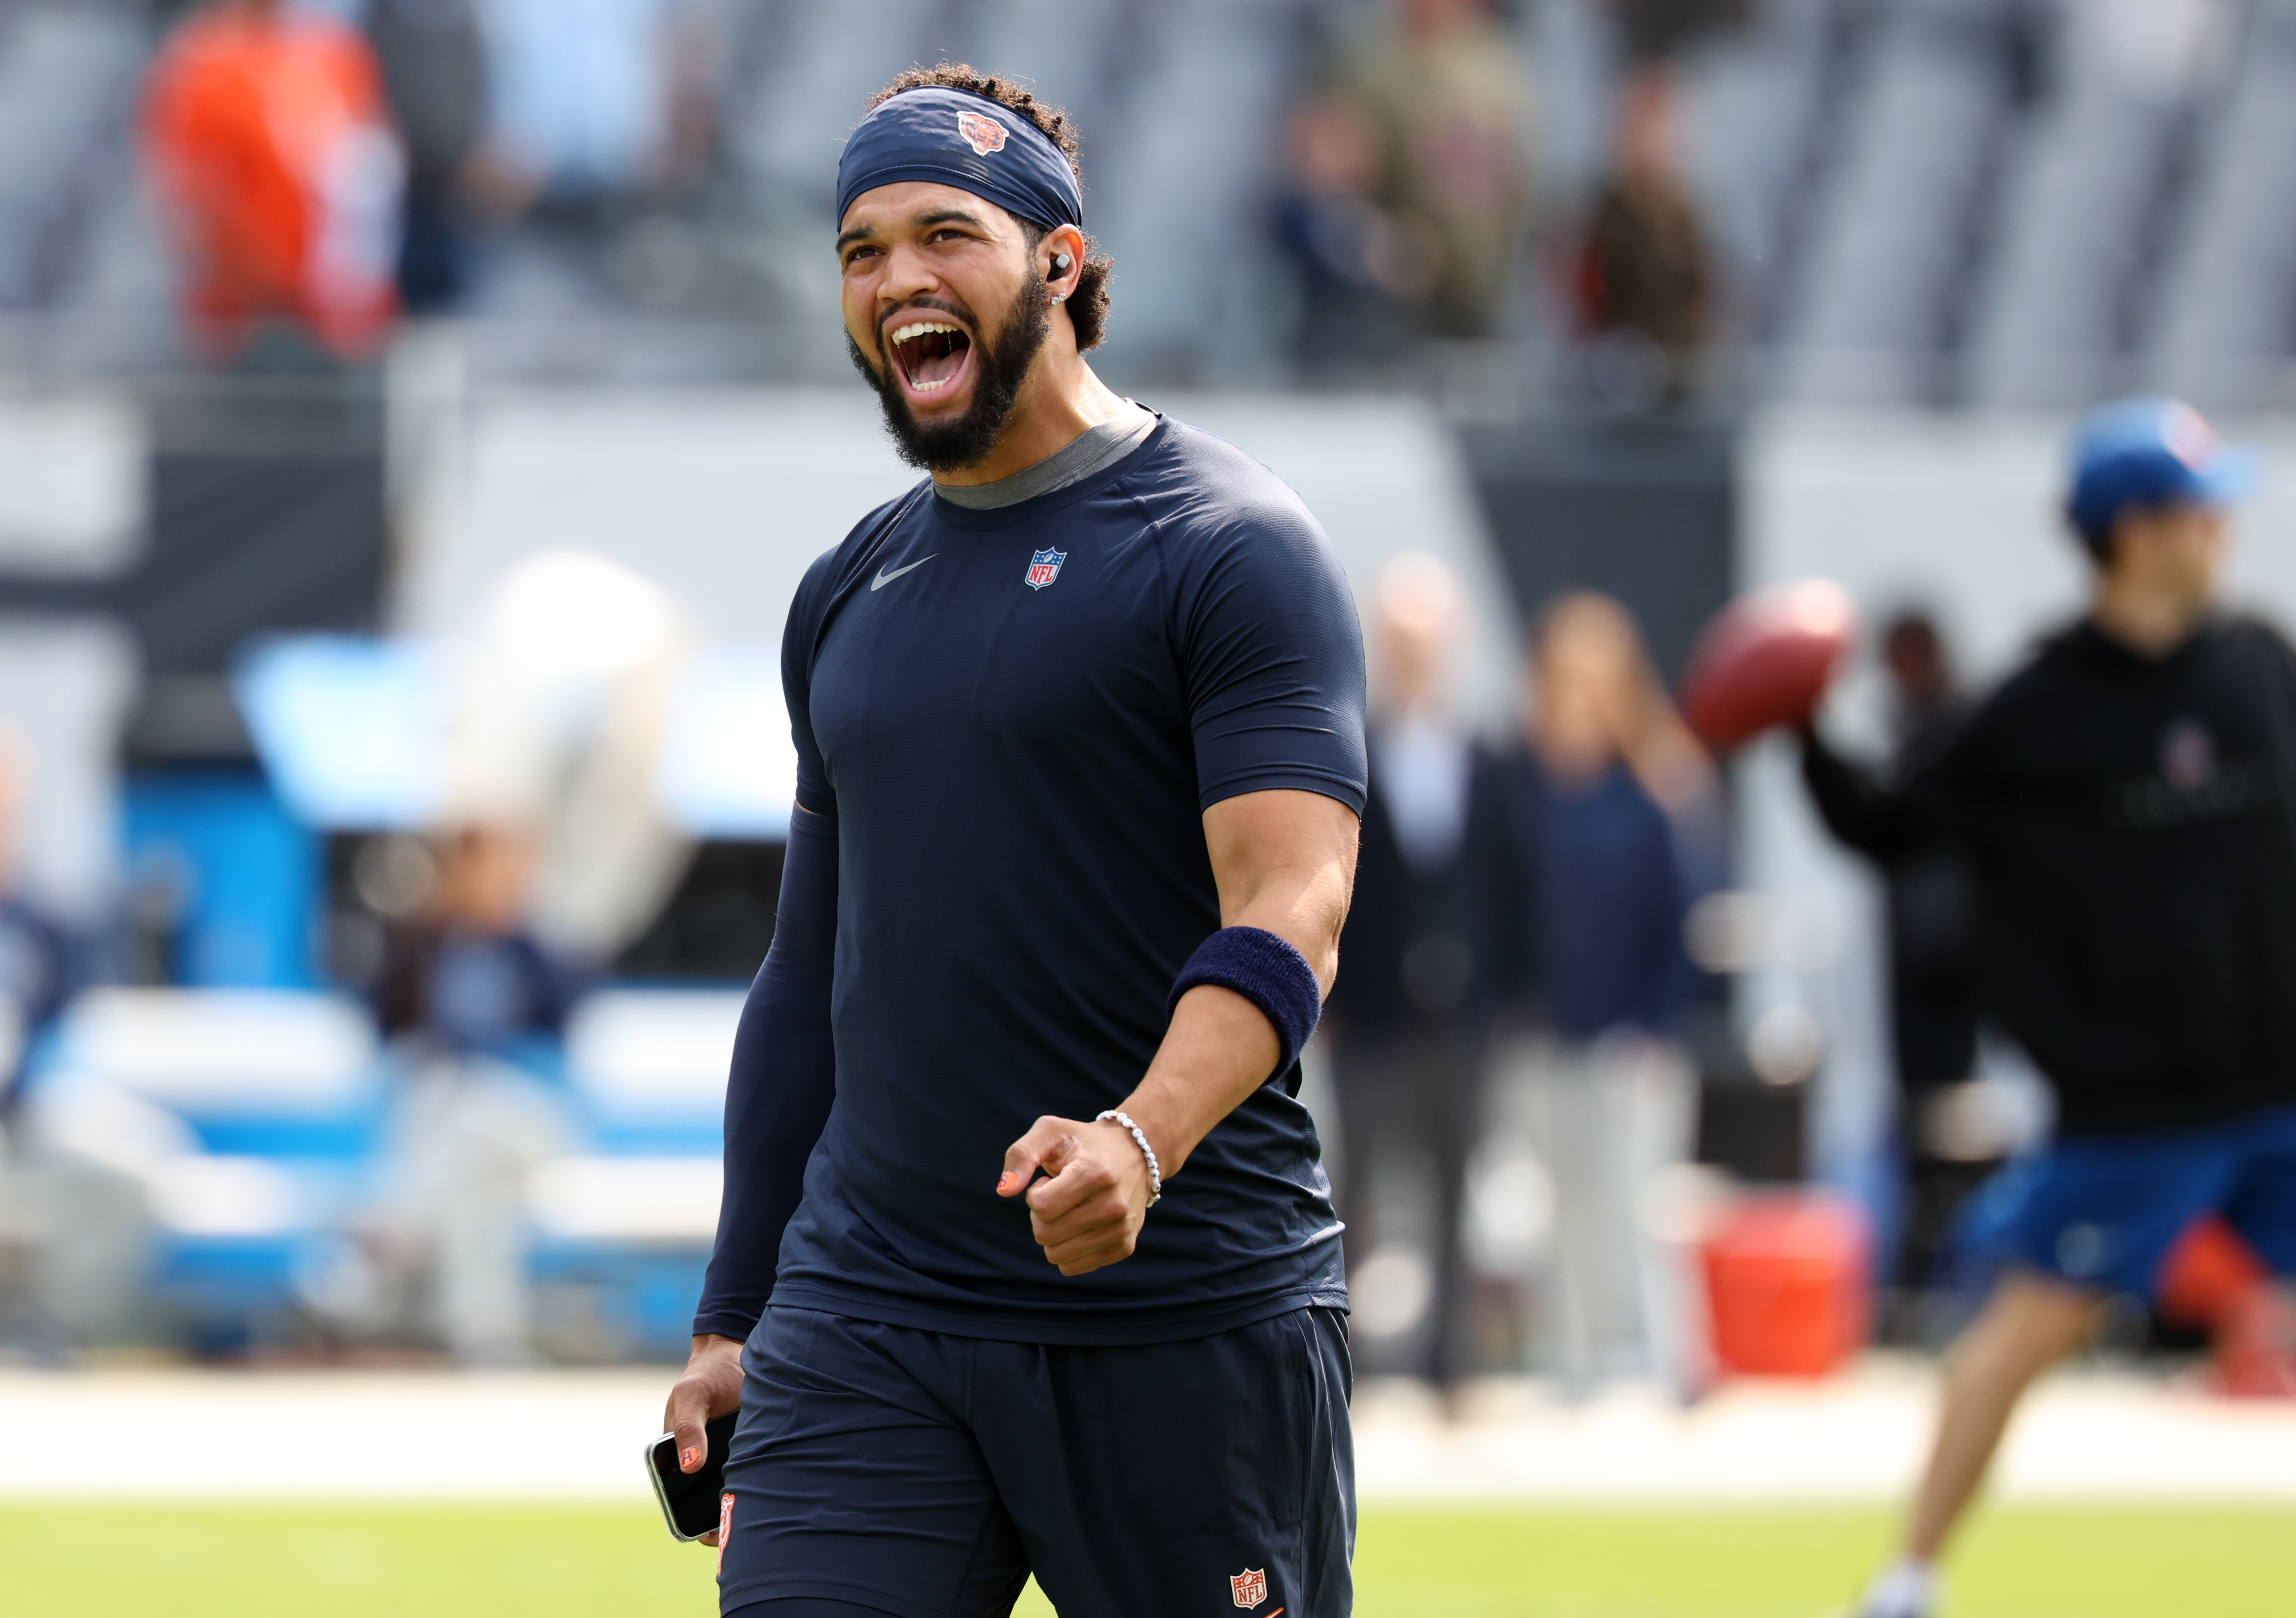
{"x":1061,"y":262}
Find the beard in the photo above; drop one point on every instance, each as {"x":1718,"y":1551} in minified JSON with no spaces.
{"x":999,"y":368}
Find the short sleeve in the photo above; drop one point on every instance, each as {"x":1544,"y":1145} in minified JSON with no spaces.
{"x":800,"y":638}
{"x":1273,"y":661}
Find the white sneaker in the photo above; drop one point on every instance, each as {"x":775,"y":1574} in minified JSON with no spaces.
{"x":1909,"y":1590}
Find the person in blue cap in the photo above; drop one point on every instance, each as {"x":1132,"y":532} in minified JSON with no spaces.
{"x":1026,"y":1261}
{"x":2128,"y":799}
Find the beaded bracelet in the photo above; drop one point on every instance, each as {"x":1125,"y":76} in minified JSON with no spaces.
{"x":1140,"y":1139}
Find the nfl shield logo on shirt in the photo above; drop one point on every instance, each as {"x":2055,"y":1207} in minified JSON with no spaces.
{"x":1250,"y":1587}
{"x":1045,"y":566}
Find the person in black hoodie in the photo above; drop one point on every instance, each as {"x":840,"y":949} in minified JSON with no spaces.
{"x":2128,"y":799}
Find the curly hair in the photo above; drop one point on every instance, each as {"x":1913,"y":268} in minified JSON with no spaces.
{"x":1087,"y":306}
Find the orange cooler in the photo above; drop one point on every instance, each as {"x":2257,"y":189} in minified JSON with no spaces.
{"x":1789,"y":1279}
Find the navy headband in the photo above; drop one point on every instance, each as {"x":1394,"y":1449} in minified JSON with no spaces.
{"x":954,"y":137}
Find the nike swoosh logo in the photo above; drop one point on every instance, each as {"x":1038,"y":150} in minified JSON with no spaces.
{"x":884,"y":578}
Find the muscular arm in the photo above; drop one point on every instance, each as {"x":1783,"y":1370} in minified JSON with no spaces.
{"x":1284,"y":862}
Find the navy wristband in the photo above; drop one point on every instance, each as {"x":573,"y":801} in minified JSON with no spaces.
{"x":1264,"y":968}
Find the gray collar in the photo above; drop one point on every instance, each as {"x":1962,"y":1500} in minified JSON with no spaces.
{"x":1093,"y":449}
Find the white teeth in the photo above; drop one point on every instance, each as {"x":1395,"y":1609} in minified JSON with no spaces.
{"x":921,"y":327}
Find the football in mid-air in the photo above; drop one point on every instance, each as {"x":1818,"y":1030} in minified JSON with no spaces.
{"x":1765,"y":660}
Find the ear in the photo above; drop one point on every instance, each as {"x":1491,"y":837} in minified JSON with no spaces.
{"x":1061,"y":259}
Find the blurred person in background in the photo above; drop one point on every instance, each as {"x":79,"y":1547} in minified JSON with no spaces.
{"x":1445,"y":97}
{"x":1645,"y":276}
{"x":468,"y":977}
{"x":1661,"y":30}
{"x":562,"y":705}
{"x":40,"y":960}
{"x":1355,"y":268}
{"x":1407,"y":1049}
{"x":2128,"y":801}
{"x":471,"y":1000}
{"x":1583,"y":931}
{"x":265,"y":128}
{"x":38,"y":972}
{"x":433,"y":58}
{"x":596,"y":101}
{"x":1931,"y":922}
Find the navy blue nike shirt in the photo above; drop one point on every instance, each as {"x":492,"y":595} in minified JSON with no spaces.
{"x":1017,"y":717}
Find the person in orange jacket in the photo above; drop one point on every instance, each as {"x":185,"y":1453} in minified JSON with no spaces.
{"x":267,"y":131}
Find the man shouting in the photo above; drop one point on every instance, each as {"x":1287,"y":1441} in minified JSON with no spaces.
{"x":1026,"y":1261}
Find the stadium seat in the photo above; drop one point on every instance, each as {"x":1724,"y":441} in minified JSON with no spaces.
{"x":624,"y":1224}
{"x":266,"y":1071}
{"x":250,"y":1117}
{"x":647,"y":1067}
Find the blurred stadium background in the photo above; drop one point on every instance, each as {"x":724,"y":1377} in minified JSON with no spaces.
{"x":393,"y":703}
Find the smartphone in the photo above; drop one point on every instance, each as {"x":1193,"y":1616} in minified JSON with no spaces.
{"x":689,"y":1499}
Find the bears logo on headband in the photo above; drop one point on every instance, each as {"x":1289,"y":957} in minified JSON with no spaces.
{"x":944,"y":137}
{"x":983,"y":135}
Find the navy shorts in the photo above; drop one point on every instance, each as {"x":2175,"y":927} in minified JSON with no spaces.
{"x":927,"y":1475}
{"x":2104,"y":1213}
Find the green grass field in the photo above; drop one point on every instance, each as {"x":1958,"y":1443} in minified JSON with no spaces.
{"x":426,"y":1561}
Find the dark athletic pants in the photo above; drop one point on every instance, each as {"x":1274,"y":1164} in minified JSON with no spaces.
{"x":925,"y":1475}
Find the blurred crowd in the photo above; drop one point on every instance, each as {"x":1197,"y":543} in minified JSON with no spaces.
{"x":324,"y":176}
{"x":1515,"y":954}
{"x":1597,"y":201}
{"x":326,"y":171}
{"x":1541,"y":1108}
{"x":1415,"y":207}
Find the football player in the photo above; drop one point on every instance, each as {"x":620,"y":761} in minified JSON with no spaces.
{"x":2128,"y":799}
{"x":1027,"y":1260}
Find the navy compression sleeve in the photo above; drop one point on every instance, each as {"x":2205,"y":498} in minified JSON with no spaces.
{"x":784,"y":1078}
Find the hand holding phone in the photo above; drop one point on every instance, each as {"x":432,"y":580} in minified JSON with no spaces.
{"x":689,"y":1499}
{"x":699,"y":1416}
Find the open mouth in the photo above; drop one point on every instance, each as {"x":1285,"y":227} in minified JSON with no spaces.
{"x":932,"y":354}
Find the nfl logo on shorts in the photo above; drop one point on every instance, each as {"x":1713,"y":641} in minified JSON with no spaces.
{"x":1250,"y":1587}
{"x":1045,"y":566}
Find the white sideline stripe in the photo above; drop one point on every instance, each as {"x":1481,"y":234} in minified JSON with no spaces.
{"x":568,"y":1435}
{"x":1862,"y":1437}
{"x":294,"y":1435}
